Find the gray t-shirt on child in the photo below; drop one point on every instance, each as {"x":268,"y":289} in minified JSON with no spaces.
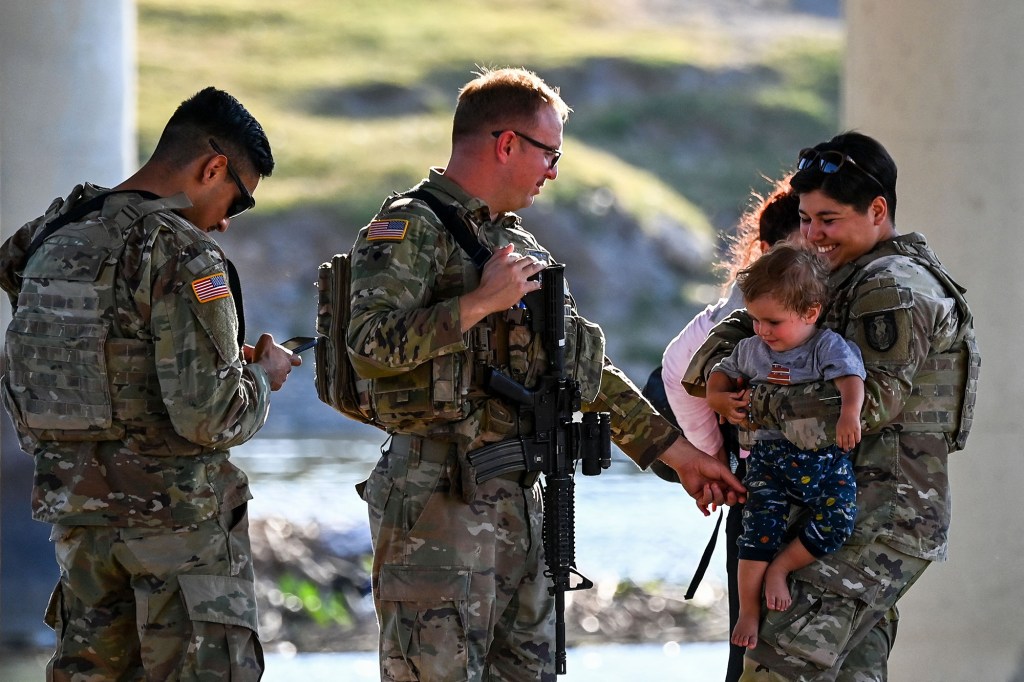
{"x":823,"y":357}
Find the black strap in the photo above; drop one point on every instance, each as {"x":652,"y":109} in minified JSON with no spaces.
{"x":235,"y":284}
{"x":702,"y":567}
{"x":76,"y":214}
{"x":456,"y":223}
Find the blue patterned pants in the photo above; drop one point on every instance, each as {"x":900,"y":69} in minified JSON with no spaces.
{"x":779,"y":474}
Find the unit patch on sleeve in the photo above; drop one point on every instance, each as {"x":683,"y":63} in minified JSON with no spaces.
{"x":880,"y":331}
{"x":393,"y":230}
{"x":211,"y":288}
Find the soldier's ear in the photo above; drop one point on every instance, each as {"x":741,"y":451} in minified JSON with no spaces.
{"x":879,"y":210}
{"x":211,"y":168}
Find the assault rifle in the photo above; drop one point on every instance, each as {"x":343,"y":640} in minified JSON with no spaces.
{"x":554,"y":447}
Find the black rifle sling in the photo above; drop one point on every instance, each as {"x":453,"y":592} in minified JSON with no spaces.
{"x":235,"y":284}
{"x":454,"y":223}
{"x":702,"y":566}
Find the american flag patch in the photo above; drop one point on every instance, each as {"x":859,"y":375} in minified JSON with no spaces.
{"x":211,"y":288}
{"x":387,"y":229}
{"x":779,"y":374}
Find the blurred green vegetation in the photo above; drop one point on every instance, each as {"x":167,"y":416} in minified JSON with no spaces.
{"x":321,"y":605}
{"x":357,"y":96}
{"x":677,"y":118}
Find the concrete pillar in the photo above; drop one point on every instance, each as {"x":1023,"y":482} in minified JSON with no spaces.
{"x":67,"y":114}
{"x":939,"y":83}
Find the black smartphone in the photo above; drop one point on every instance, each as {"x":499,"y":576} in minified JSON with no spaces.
{"x":297,"y":344}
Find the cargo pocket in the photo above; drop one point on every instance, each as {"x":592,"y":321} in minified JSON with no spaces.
{"x":826,"y":609}
{"x":424,"y":621}
{"x":376,"y":491}
{"x":224,"y":628}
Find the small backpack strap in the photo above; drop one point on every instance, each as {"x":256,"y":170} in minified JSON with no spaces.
{"x":455,"y":223}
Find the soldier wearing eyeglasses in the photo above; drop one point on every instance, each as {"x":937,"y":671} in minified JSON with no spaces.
{"x":895,"y":300}
{"x":128,"y":381}
{"x":458,"y":569}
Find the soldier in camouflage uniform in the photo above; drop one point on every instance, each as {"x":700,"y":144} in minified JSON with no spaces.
{"x":895,"y":300}
{"x":126,"y":381}
{"x":458,"y":569}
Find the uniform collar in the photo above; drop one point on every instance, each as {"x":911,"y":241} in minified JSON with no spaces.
{"x":477,"y":207}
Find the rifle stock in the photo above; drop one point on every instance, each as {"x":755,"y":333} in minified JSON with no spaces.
{"x":554,"y":447}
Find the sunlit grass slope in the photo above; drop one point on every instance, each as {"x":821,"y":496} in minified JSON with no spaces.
{"x":357,"y":95}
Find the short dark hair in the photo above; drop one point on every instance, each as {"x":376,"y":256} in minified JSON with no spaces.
{"x":793,"y":275}
{"x":853,"y":186}
{"x":213,"y":113}
{"x":503,"y":99}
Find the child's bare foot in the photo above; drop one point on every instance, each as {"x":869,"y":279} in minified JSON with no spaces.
{"x":776,"y":589}
{"x":745,"y":632}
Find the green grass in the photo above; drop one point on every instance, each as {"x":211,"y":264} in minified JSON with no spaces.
{"x":674,"y":122}
{"x":357,"y":96}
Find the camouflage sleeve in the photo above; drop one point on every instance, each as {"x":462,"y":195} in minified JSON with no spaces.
{"x":637,"y":428}
{"x":213,"y":399}
{"x":895,"y":322}
{"x":721,"y":341}
{"x":396,"y":322}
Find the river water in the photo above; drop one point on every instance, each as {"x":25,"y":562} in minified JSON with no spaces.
{"x":629,"y":523}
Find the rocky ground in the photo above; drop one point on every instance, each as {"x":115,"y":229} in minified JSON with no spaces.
{"x":314,"y":596}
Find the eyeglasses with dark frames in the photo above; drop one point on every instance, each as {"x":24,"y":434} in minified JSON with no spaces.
{"x":244,"y":201}
{"x":829,"y":162}
{"x":556,"y":154}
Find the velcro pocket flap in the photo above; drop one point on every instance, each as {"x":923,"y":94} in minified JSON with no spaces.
{"x":424,"y":584}
{"x":850,"y":580}
{"x":879,"y":295}
{"x":220,"y":599}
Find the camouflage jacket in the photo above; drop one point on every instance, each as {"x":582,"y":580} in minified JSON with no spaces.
{"x":916,"y":336}
{"x":407,"y":274}
{"x":184,"y":402}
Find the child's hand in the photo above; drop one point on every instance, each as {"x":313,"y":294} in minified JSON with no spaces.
{"x":731,"y":406}
{"x":848,"y":431}
{"x":704,"y":500}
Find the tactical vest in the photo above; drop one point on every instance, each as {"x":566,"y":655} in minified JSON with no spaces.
{"x":71,"y":377}
{"x":429,"y":398}
{"x":945,"y":389}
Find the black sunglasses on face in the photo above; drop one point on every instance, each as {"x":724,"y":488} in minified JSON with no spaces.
{"x":829,"y":162}
{"x":556,"y":154}
{"x":244,"y":201}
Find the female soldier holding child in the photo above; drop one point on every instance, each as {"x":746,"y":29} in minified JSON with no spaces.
{"x":893,"y":298}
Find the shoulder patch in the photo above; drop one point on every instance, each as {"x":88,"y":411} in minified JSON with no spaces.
{"x":390,"y":230}
{"x":211,"y":287}
{"x":880,"y":331}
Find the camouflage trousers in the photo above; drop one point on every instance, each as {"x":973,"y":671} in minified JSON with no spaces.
{"x":843,"y":621}
{"x":458,"y":587}
{"x":155,"y":603}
